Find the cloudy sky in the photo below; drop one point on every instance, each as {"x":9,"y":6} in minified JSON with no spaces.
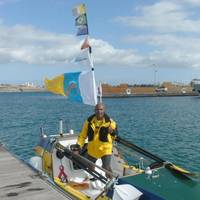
{"x":142,"y":41}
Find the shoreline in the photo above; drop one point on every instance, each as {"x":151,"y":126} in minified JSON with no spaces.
{"x":18,"y":91}
{"x":150,"y":95}
{"x":22,"y":89}
{"x":39,"y":90}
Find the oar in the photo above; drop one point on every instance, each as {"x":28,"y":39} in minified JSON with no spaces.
{"x":167,"y":164}
{"x":85,"y":163}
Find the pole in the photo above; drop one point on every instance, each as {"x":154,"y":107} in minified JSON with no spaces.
{"x":61,"y":127}
{"x":91,"y":63}
{"x":155,"y":71}
{"x":84,"y":30}
{"x":100,"y":92}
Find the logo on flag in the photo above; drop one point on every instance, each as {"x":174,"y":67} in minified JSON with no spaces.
{"x":81,"y":20}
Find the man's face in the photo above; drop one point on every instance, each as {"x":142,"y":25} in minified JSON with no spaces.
{"x":99,"y":111}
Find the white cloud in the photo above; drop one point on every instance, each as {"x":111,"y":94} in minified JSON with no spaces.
{"x":27,"y":44}
{"x":170,"y":50}
{"x":168,"y":41}
{"x":163,"y":16}
{"x":104,"y":53}
{"x":167,"y":32}
{"x":188,"y":2}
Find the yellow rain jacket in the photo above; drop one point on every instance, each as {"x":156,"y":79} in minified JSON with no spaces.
{"x":99,"y":138}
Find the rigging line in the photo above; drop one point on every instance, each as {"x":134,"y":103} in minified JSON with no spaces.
{"x":167,"y":164}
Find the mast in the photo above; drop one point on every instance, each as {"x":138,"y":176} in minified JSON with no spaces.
{"x":92,"y":65}
{"x":82,"y":24}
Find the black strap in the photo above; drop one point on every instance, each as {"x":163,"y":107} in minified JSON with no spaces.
{"x":107,"y":118}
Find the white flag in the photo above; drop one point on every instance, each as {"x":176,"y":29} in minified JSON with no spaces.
{"x":82,"y":57}
{"x":88,"y":88}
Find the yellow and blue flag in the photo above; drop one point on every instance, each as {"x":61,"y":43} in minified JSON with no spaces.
{"x":55,"y":85}
{"x":77,"y":86}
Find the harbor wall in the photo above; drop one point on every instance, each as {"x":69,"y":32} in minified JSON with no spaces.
{"x":165,"y":89}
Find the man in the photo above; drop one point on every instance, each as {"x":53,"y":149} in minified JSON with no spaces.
{"x":100,"y":130}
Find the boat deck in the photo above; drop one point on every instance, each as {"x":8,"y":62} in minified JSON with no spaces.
{"x":19,"y":181}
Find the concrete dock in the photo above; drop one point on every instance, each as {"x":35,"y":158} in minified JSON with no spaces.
{"x":19,"y":182}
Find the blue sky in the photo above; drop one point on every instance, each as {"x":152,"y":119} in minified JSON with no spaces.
{"x":142,"y":41}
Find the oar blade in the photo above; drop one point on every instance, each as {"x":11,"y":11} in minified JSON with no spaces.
{"x":168,"y":165}
{"x":182,"y":171}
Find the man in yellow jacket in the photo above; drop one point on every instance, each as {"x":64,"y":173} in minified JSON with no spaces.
{"x":100,"y":130}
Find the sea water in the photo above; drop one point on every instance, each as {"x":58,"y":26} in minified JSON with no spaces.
{"x":166,"y":126}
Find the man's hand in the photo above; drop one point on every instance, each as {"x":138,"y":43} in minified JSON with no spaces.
{"x":110,"y":129}
{"x":76,"y":148}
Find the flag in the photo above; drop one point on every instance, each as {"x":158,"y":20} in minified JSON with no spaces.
{"x":82,"y":57}
{"x":82,"y":30}
{"x":55,"y":85}
{"x":79,"y":10}
{"x":88,"y":88}
{"x":81,"y":20}
{"x":77,"y":86}
{"x":85,"y":44}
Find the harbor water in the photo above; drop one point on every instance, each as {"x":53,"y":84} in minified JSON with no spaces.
{"x":167,"y":126}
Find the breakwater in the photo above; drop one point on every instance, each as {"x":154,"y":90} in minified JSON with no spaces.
{"x":20,"y":88}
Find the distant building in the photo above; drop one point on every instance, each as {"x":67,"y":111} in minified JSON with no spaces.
{"x":127,"y":90}
{"x":195,"y":83}
{"x":29,"y":84}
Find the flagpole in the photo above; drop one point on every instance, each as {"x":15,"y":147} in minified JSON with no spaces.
{"x":92,"y":63}
{"x":82,"y":25}
{"x":92,"y":67}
